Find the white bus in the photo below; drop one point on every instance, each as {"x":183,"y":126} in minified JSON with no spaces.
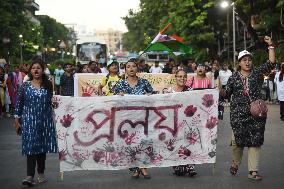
{"x":89,"y":48}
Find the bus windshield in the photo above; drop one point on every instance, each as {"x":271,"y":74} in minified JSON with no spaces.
{"x":91,"y":52}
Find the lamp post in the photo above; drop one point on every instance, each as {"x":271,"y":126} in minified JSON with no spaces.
{"x":21,"y":47}
{"x":234,"y":34}
{"x":225,"y":4}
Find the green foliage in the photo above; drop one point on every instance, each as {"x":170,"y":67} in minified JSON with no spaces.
{"x":52,"y":31}
{"x":188,"y":18}
{"x":202,"y":22}
{"x":12,"y":24}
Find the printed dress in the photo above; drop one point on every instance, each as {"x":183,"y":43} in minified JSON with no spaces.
{"x":35,"y":112}
{"x":248,"y":131}
{"x":142,"y":87}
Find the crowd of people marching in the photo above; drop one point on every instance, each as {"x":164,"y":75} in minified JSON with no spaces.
{"x":26,"y":92}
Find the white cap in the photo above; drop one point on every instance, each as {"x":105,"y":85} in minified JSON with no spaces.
{"x":244,"y":53}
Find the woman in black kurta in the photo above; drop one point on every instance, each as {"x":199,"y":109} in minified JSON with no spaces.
{"x":247,"y":130}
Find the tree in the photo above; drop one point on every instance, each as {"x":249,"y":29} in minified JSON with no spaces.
{"x":13,"y":22}
{"x":52,"y":31}
{"x":188,"y":18}
{"x":203,"y":24}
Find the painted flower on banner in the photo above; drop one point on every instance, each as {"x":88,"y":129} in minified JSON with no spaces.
{"x":190,"y":111}
{"x":208,"y":100}
{"x":98,"y":155}
{"x":211,"y":122}
{"x":55,"y":102}
{"x":192,"y":137}
{"x":66,"y":120}
{"x":170,"y":144}
{"x":184,"y":152}
{"x":62,"y":155}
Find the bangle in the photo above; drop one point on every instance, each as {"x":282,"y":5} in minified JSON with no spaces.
{"x":270,"y":47}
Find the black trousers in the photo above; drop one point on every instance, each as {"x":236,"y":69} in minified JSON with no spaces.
{"x":32,"y":160}
{"x":282,"y":109}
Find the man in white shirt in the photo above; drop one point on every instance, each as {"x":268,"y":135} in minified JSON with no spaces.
{"x":279,"y":80}
{"x":104,"y":68}
{"x":224,"y":74}
{"x":156,"y":68}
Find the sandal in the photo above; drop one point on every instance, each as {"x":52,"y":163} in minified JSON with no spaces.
{"x":234,"y":169}
{"x":146,"y":176}
{"x":136,"y":172}
{"x":255,"y":176}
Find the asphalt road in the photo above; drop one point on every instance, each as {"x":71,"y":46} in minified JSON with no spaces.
{"x":13,"y":165}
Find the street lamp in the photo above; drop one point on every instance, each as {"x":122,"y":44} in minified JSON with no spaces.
{"x":21,"y":47}
{"x":225,"y":4}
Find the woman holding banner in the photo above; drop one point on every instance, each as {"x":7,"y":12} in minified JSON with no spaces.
{"x":134,"y":85}
{"x":248,"y":131}
{"x":181,"y":78}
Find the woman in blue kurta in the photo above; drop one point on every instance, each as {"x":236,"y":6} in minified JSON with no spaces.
{"x":134,"y":85}
{"x":34,"y":121}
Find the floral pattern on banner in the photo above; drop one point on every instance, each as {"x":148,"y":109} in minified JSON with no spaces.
{"x":109,"y":133}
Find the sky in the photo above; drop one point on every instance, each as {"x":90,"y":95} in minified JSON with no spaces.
{"x":94,"y":14}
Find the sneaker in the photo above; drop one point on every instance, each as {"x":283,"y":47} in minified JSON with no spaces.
{"x":28,"y":181}
{"x":8,"y":115}
{"x":41,"y":178}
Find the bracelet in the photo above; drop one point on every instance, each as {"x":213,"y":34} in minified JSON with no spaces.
{"x":270,"y":47}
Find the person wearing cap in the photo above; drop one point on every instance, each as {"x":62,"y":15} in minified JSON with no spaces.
{"x":200,"y":81}
{"x":110,"y":80}
{"x":243,"y":85}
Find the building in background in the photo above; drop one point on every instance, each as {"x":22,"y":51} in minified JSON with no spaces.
{"x":111,"y":37}
{"x":32,"y":7}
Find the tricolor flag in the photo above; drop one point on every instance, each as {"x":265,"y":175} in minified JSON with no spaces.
{"x":162,"y":38}
{"x":161,"y":33}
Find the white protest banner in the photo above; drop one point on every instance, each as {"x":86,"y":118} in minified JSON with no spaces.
{"x":118,"y":132}
{"x":86,"y":84}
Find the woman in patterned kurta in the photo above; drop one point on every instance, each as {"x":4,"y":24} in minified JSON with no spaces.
{"x":247,"y":131}
{"x":135,"y":86}
{"x":34,"y":121}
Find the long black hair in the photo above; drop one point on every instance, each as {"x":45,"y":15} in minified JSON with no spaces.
{"x":46,"y":83}
{"x":281,"y":72}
